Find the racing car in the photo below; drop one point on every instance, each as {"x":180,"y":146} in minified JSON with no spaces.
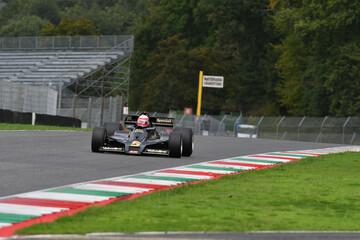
{"x":140,"y":136}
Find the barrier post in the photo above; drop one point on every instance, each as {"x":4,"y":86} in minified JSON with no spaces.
{"x":278,"y":125}
{"x":89,"y":113}
{"x":299,"y":126}
{"x":343,"y":130}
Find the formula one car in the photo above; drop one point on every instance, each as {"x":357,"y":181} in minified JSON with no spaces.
{"x":141,"y":137}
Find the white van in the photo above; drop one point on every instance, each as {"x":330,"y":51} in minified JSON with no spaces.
{"x":246,"y":131}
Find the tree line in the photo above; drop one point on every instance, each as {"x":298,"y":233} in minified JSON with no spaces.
{"x":278,"y":57}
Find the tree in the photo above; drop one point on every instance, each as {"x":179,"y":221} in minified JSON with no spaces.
{"x":176,"y":39}
{"x":318,"y":53}
{"x":69,"y":27}
{"x":25,"y":26}
{"x":45,"y":9}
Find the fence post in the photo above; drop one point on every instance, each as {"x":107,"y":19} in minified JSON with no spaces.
{"x":73,"y":106}
{"x":322,"y":125}
{"x":353,"y":138}
{"x":343,"y":130}
{"x":220,"y":124}
{"x":299,"y":126}
{"x":258,"y":126}
{"x":117,"y":108}
{"x":122,"y":105}
{"x":89,"y":113}
{"x":59,"y":97}
{"x":182,"y":119}
{"x":110,"y":108}
{"x":277,"y":126}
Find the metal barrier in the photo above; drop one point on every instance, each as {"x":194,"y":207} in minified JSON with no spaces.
{"x":19,"y":97}
{"x":344,"y":130}
{"x":64,"y":43}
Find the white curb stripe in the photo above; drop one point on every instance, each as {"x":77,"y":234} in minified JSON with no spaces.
{"x":275,"y":154}
{"x":28,"y":210}
{"x":247,"y":162}
{"x":111,"y":188}
{"x":202,"y":170}
{"x":262,"y":157}
{"x":226,"y":166}
{"x":148,"y":181}
{"x":312,"y":152}
{"x":4,"y":225}
{"x":63,"y":197}
{"x":179,"y":175}
{"x":299,"y":153}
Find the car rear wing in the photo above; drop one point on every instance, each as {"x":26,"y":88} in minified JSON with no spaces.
{"x":155,"y":121}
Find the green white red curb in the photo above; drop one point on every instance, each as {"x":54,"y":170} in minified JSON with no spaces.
{"x":26,"y":209}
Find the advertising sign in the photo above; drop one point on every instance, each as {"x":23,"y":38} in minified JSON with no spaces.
{"x":213,"y":81}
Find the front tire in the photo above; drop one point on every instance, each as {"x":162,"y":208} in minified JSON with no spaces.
{"x":188,"y":140}
{"x":175,"y":145}
{"x":98,"y":138}
{"x":112,"y":127}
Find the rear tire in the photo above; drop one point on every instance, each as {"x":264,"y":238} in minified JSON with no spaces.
{"x":111,"y":127}
{"x":175,"y":145}
{"x":98,"y":138}
{"x":188,"y":140}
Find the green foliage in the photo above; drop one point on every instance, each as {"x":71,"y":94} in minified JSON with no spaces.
{"x":25,"y":26}
{"x":293,"y":57}
{"x":45,"y":9}
{"x":219,"y":37}
{"x":111,"y":17}
{"x":69,"y":27}
{"x":319,"y":57}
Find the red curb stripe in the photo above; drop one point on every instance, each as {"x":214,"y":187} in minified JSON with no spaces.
{"x":266,"y":156}
{"x":129,"y":184}
{"x":44,"y":202}
{"x":192,"y":173}
{"x":239,"y":164}
{"x":9,"y":231}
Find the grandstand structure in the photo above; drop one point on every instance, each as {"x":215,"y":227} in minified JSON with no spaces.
{"x":88,"y":74}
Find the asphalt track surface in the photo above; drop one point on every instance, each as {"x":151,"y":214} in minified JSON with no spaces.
{"x":35,"y":160}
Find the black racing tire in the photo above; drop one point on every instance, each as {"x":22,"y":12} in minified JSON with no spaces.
{"x":188,"y":140}
{"x":98,"y":138}
{"x":175,"y":145}
{"x":111,"y":127}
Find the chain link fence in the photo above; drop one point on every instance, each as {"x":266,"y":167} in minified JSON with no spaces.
{"x":65,"y":43}
{"x":93,"y":111}
{"x":345,"y":130}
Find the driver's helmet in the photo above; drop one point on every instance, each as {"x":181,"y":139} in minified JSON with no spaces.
{"x":143,"y":121}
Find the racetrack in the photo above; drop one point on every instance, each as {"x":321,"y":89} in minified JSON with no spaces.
{"x":34,"y":160}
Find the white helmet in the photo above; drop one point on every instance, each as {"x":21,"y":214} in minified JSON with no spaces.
{"x":143,"y":121}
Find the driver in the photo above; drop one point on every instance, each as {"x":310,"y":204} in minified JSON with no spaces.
{"x":143,"y":121}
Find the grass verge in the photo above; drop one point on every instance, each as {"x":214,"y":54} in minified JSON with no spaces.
{"x":315,"y":194}
{"x":8,"y":126}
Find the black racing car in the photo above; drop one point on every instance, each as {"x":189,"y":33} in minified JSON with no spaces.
{"x":111,"y":137}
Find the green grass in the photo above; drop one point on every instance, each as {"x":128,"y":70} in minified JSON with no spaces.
{"x":315,"y":194}
{"x":8,"y":126}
